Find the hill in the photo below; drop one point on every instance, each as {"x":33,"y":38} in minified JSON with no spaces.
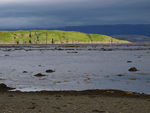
{"x":53,"y":37}
{"x":110,"y":30}
{"x":133,"y":38}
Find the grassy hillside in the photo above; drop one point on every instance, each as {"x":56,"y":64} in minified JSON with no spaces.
{"x":53,"y":37}
{"x":5,"y":37}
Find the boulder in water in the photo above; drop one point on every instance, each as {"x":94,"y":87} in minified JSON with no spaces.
{"x":39,"y":75}
{"x":3,"y":87}
{"x":49,"y":71}
{"x":132,"y":69}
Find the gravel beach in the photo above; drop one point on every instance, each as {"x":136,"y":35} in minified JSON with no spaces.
{"x":73,"y":102}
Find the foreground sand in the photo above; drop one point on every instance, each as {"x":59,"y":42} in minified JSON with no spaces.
{"x":73,"y":102}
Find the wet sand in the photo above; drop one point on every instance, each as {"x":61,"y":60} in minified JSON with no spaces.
{"x":96,"y":101}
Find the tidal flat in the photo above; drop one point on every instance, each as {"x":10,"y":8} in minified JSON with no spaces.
{"x":76,"y":67}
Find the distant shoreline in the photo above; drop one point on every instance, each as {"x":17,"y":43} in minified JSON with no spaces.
{"x":73,"y":44}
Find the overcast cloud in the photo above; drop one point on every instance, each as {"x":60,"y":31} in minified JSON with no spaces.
{"x":59,"y":13}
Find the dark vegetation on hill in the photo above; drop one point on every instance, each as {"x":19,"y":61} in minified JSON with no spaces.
{"x":53,"y":37}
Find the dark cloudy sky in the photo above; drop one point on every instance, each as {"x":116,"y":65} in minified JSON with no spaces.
{"x":59,"y":13}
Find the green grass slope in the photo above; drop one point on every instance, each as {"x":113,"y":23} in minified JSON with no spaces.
{"x":5,"y":37}
{"x":53,"y":37}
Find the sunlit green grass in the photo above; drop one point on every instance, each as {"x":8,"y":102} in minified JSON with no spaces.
{"x":98,"y":37}
{"x":5,"y":37}
{"x":53,"y":36}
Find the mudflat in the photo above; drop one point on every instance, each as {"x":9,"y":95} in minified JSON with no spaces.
{"x":73,"y":102}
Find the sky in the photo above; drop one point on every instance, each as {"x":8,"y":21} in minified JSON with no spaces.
{"x":28,"y":14}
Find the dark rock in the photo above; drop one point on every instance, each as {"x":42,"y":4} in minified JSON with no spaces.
{"x":49,"y":71}
{"x":6,"y":55}
{"x":60,"y":49}
{"x":39,"y":75}
{"x":31,"y":107}
{"x":24,"y":72}
{"x":3,"y":87}
{"x":98,"y":111}
{"x":129,"y":61}
{"x":109,"y":49}
{"x":132,"y":69}
{"x":73,"y":52}
{"x":8,"y":49}
{"x":120,"y":75}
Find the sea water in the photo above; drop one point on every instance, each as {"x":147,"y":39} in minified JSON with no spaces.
{"x":77,"y":67}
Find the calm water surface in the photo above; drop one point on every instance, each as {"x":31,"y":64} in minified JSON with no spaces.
{"x":77,"y":67}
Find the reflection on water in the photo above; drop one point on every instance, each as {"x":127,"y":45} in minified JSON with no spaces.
{"x":77,"y":67}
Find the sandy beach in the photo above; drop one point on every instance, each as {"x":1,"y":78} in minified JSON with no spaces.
{"x":73,"y":102}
